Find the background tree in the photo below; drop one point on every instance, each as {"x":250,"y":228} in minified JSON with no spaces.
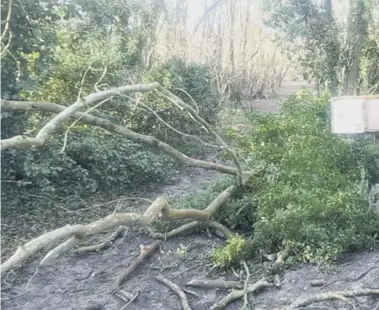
{"x":331,"y":39}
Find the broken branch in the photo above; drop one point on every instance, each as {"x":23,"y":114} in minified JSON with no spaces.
{"x":237,"y":294}
{"x":123,"y":131}
{"x":219,"y":283}
{"x":105,"y":244}
{"x":337,"y":295}
{"x":55,"y":122}
{"x":79,"y":231}
{"x":146,"y":251}
{"x":171,"y":285}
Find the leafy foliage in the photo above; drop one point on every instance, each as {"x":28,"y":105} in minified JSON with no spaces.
{"x":312,"y":196}
{"x":313,"y":33}
{"x":33,"y":26}
{"x":193,"y":84}
{"x":232,"y":253}
{"x":178,"y":75}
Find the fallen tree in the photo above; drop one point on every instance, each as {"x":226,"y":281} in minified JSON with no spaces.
{"x":67,"y":238}
{"x":160,"y":208}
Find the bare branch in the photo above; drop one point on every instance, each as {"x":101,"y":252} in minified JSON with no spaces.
{"x":176,"y":289}
{"x":237,"y":294}
{"x":337,"y":295}
{"x":96,"y":86}
{"x":206,"y":13}
{"x":123,"y":131}
{"x":82,"y":82}
{"x":189,"y":96}
{"x":77,"y":120}
{"x":218,"y":283}
{"x":213,"y":133}
{"x":6,"y":31}
{"x":146,"y":251}
{"x":138,"y":104}
{"x":77,"y":232}
{"x":245,"y":305}
{"x":51,"y":126}
{"x":106,"y":243}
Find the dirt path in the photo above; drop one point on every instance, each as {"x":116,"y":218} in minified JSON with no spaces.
{"x":287,"y":88}
{"x":84,"y":281}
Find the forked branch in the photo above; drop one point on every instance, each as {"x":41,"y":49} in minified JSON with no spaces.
{"x":55,"y":122}
{"x":123,"y":131}
{"x":76,"y":234}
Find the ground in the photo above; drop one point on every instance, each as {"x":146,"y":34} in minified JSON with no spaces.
{"x":84,"y":281}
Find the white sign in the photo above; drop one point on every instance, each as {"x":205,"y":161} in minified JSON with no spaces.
{"x":358,"y":114}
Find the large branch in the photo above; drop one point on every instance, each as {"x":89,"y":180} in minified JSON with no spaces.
{"x":80,"y":232}
{"x":333,"y":295}
{"x":55,"y":122}
{"x":75,"y":234}
{"x":123,"y":131}
{"x":179,"y":102}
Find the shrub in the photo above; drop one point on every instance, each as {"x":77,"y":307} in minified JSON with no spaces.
{"x":312,"y":196}
{"x":190,"y":82}
{"x":195,"y":79}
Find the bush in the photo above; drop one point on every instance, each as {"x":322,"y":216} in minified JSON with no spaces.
{"x":190,"y":82}
{"x":94,"y":161}
{"x":312,"y":196}
{"x":195,"y":79}
{"x":114,"y":162}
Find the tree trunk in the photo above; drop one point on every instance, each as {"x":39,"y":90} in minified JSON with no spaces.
{"x":231,"y":38}
{"x":357,"y":33}
{"x":332,"y":49}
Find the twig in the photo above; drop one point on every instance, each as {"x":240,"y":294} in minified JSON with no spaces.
{"x":364,"y":273}
{"x":146,"y":251}
{"x":246,"y":299}
{"x":192,"y":225}
{"x":191,"y":292}
{"x":96,"y":86}
{"x":82,"y":82}
{"x":109,"y":202}
{"x":237,"y":294}
{"x":360,"y":276}
{"x":376,"y":307}
{"x":171,"y":127}
{"x":77,"y":120}
{"x":124,"y":296}
{"x":5,"y":31}
{"x":219,"y":283}
{"x":336,"y":295}
{"x":176,"y":289}
{"x":106,"y":243}
{"x":180,"y":103}
{"x":189,"y":96}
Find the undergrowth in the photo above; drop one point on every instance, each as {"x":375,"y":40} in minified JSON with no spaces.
{"x":312,"y":195}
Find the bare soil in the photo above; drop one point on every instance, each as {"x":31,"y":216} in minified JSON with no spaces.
{"x":84,"y":281}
